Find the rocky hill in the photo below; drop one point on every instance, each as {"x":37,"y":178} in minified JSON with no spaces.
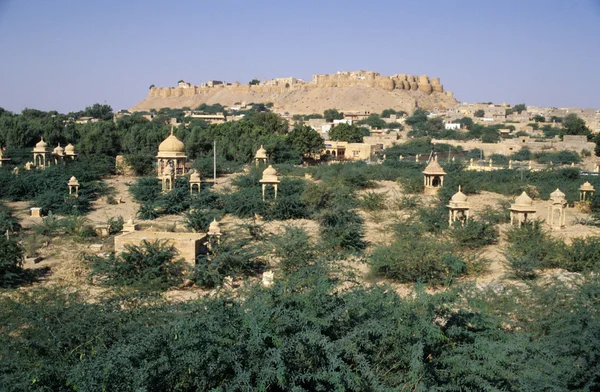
{"x":346,"y":91}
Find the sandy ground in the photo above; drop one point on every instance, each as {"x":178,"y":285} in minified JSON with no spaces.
{"x":63,"y":256}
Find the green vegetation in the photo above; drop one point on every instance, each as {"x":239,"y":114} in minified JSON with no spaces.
{"x":332,"y":114}
{"x":149,"y":266}
{"x":479,"y":113}
{"x":322,"y":324}
{"x":347,"y":133}
{"x":306,"y":140}
{"x":573,"y":125}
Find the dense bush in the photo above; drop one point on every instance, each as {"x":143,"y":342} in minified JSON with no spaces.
{"x":8,"y":222}
{"x":416,"y":257}
{"x":582,"y":255}
{"x":11,"y":263}
{"x":148,"y":266}
{"x":474,"y":234}
{"x":342,"y":228}
{"x":293,"y":249}
{"x":48,"y":187}
{"x":360,"y":338}
{"x":531,"y":248}
{"x":232,"y":258}
{"x":557,"y":158}
{"x":142,"y":164}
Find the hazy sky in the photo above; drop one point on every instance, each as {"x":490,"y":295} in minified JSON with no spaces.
{"x":66,"y":55}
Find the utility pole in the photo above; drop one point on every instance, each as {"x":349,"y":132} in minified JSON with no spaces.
{"x":214,"y":162}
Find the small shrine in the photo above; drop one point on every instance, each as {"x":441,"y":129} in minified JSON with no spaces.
{"x":260,"y":156}
{"x":586,"y":192}
{"x":70,"y":151}
{"x":73,"y":186}
{"x":41,"y":154}
{"x":269,"y":177}
{"x":171,"y":154}
{"x":194,"y":181}
{"x":556,"y":209}
{"x":130,"y":226}
{"x":434,"y":177}
{"x":167,"y":179}
{"x":522,"y":210}
{"x":458,"y":208}
{"x":214,"y":229}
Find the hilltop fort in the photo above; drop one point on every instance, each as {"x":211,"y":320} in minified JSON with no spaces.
{"x":358,"y":90}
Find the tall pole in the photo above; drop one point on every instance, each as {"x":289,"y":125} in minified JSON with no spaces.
{"x":214,"y":162}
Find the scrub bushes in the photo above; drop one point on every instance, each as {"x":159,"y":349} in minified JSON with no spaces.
{"x":149,"y":266}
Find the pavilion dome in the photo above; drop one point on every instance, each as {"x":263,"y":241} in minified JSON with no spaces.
{"x":214,"y":228}
{"x":70,"y":149}
{"x":58,"y":150}
{"x":434,"y":168}
{"x":261,"y":153}
{"x":73,"y":181}
{"x":523,"y":200}
{"x":195,"y":176}
{"x":41,"y":146}
{"x":586,"y":186}
{"x":269,"y":175}
{"x":459,"y":197}
{"x":171,"y":146}
{"x":558,"y":196}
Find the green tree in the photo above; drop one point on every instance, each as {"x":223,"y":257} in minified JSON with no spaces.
{"x":346,"y":133}
{"x":538,"y":118}
{"x":479,"y":113}
{"x":271,"y":122}
{"x":332,"y":114}
{"x":306,"y":140}
{"x":254,"y":82}
{"x":102,"y":112}
{"x":573,"y":125}
{"x":374,"y":121}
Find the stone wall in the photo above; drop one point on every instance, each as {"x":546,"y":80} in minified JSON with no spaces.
{"x":341,"y":79}
{"x":188,"y":245}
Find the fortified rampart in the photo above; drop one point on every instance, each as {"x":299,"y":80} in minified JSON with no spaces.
{"x":341,"y":79}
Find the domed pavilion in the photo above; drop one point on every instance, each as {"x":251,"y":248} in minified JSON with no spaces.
{"x":586,"y":192}
{"x":260,"y":156}
{"x":41,"y":154}
{"x":70,"y":151}
{"x":269,"y":177}
{"x":434,"y":177}
{"x":556,"y":209}
{"x":171,"y":152}
{"x":458,"y":208}
{"x":58,"y":153}
{"x":522,"y":210}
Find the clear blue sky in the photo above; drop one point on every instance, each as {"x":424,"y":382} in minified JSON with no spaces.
{"x":66,"y":55}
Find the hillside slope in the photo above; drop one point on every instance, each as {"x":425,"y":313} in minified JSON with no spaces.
{"x":309,"y":100}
